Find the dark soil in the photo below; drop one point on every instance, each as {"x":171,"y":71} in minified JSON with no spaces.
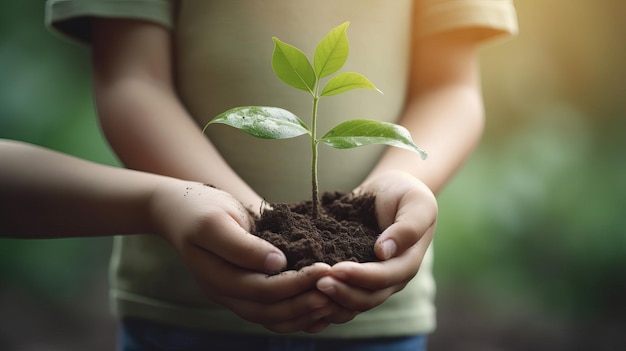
{"x":346,"y":230}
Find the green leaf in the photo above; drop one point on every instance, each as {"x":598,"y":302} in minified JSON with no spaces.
{"x":292,"y":66}
{"x":332,"y":52}
{"x":262,"y":122}
{"x":345,"y":82}
{"x":359,"y":132}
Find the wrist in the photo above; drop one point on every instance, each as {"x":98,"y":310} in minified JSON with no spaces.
{"x":162,"y":204}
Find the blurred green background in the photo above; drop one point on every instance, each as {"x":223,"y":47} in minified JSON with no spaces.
{"x":531,"y":245}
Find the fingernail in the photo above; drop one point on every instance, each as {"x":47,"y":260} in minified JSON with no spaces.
{"x":326,"y":286}
{"x":389,"y":248}
{"x":274,"y":262}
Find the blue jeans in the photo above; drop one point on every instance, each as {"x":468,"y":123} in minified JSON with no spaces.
{"x":140,"y":335}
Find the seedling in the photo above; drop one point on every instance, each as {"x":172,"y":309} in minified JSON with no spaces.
{"x":294,"y":68}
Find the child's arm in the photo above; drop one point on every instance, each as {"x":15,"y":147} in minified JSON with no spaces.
{"x":141,"y":115}
{"x":444,"y":110}
{"x":46,"y":194}
{"x":444,"y":114}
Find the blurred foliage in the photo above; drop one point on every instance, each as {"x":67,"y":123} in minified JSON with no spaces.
{"x":533,"y":222}
{"x":45,"y":99}
{"x":46,"y":95}
{"x":539,"y":220}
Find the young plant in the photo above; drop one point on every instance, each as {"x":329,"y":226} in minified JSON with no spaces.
{"x":294,"y":68}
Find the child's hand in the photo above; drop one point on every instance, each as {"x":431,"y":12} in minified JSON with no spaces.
{"x":407,"y":211}
{"x":209,"y":229}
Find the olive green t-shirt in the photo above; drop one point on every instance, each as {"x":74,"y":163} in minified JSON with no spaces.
{"x":223,"y":52}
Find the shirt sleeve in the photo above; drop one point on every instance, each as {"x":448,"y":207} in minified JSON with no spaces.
{"x":495,"y":17}
{"x":72,"y":18}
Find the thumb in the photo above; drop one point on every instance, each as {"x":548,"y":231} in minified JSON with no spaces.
{"x":414,"y":223}
{"x":231,"y":242}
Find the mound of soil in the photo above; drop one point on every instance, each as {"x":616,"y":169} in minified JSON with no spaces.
{"x":345,"y":230}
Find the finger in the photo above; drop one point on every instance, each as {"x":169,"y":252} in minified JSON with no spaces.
{"x":218,"y":277}
{"x":315,"y":321}
{"x":344,"y":316}
{"x":286,"y":284}
{"x":303,"y":308}
{"x":317,"y":327}
{"x":380,"y":275}
{"x":311,"y":323}
{"x":341,"y":314}
{"x":352,"y":298}
{"x":335,"y":312}
{"x":225,"y":238}
{"x":416,"y":215}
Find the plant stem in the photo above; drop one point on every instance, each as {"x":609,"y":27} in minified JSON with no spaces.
{"x":314,"y":180}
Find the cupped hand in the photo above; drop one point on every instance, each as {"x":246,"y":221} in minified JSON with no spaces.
{"x":210,"y":230}
{"x":407,"y":212}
